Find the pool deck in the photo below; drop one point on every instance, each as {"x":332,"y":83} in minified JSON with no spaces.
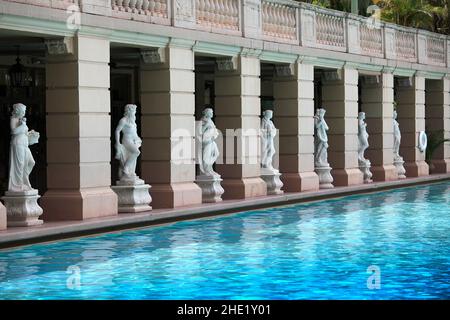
{"x":66,"y":229}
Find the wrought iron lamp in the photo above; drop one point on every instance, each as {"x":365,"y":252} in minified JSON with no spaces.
{"x":18,"y":75}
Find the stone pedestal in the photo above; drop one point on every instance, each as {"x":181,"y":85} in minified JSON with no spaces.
{"x":364,"y":166}
{"x":2,"y":217}
{"x":272,"y":179}
{"x":325,"y":177}
{"x":211,"y":188}
{"x":398,"y":163}
{"x":22,"y":209}
{"x":133,"y":196}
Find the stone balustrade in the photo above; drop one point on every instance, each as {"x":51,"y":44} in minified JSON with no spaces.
{"x":154,"y":11}
{"x":279,"y":21}
{"x":282,"y":21}
{"x":217,"y":14}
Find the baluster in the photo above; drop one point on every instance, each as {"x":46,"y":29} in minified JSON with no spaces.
{"x":276,"y":20}
{"x":226,"y":14}
{"x":265,"y":18}
{"x":282,"y":21}
{"x":151,"y":7}
{"x":215,"y":12}
{"x":199,"y":13}
{"x":270,"y":20}
{"x":132,"y":6}
{"x":207,"y":11}
{"x":126,"y":5}
{"x":235,"y":13}
{"x":292,"y":24}
{"x":145,"y":5}
{"x":164,"y":8}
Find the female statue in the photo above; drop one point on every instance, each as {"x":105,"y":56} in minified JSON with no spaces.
{"x":268,"y":133}
{"x":363,"y":136}
{"x":127,"y":152}
{"x":397,"y":137}
{"x":321,"y":139}
{"x":210,"y":151}
{"x":21,"y":160}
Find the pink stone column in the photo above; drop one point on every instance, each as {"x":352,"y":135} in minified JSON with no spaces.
{"x":2,"y":217}
{"x":437,"y":114}
{"x":168,"y":128}
{"x":294,"y":116}
{"x":238,"y":108}
{"x":411,"y":118}
{"x":340,"y":99}
{"x":377,"y":101}
{"x":78,"y":133}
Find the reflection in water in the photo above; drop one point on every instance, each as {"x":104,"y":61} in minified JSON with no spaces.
{"x":317,"y":251}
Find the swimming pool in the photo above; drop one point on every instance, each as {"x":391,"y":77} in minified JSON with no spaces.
{"x":389,"y":245}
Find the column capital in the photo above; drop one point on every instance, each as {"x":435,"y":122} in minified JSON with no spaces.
{"x":285,"y":70}
{"x":153,"y":56}
{"x":332,"y":76}
{"x":61,"y":46}
{"x":227,"y":64}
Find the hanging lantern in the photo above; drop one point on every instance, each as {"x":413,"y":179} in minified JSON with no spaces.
{"x":18,"y":75}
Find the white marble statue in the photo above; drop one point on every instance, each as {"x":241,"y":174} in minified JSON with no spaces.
{"x":132,"y":193}
{"x":321,"y":139}
{"x":268,"y":133}
{"x":210,"y":151}
{"x":269,"y":174}
{"x":363,"y":144}
{"x":127,"y":150}
{"x":397,"y":137}
{"x":398,"y":160}
{"x":207,"y":154}
{"x":363,"y":136}
{"x":21,"y":160}
{"x":321,"y":165}
{"x":22,"y":208}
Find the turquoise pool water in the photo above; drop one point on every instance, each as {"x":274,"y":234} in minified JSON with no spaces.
{"x":319,"y":250}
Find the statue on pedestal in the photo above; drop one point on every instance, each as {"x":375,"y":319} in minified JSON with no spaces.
{"x":208,"y":152}
{"x":127,"y":150}
{"x":363,"y":144}
{"x":21,"y":199}
{"x":322,"y":167}
{"x":268,"y":173}
{"x":133,"y":194}
{"x":268,"y":133}
{"x":398,"y":160}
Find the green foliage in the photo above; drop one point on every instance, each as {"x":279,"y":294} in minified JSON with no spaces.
{"x":435,"y":140}
{"x":431,"y":15}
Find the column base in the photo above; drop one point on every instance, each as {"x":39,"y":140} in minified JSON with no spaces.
{"x":416,"y":169}
{"x":272,"y":180}
{"x":440,"y":166}
{"x":384,"y":173}
{"x":301,"y":181}
{"x":79,"y":204}
{"x":176,"y":195}
{"x":2,"y":217}
{"x":211,"y":188}
{"x":347,"y":177}
{"x":22,"y":209}
{"x":133,"y":198}
{"x":244,"y":188}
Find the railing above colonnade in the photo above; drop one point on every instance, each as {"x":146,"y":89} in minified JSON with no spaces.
{"x":282,"y":21}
